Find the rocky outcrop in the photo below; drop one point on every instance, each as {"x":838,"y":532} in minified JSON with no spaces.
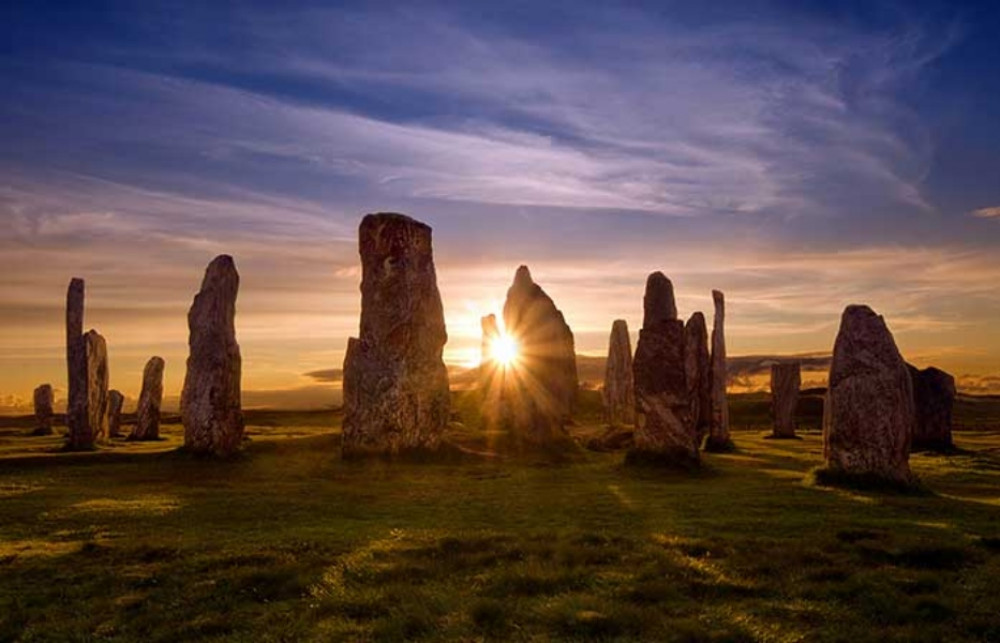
{"x":115,"y":403}
{"x":210,"y":400}
{"x":619,"y":391}
{"x":540,"y":393}
{"x":786,"y":378}
{"x":869,"y":414}
{"x":934,"y":397}
{"x":43,"y":399}
{"x":147,"y":415}
{"x":718,"y":434}
{"x":698,"y":371}
{"x":665,"y":432}
{"x":79,"y":432}
{"x":396,"y":396}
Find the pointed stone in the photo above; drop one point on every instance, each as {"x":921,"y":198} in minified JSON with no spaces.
{"x":665,"y":432}
{"x":698,"y":367}
{"x":43,"y":399}
{"x":934,"y":398}
{"x":619,"y":387}
{"x":540,"y":393}
{"x":115,"y":403}
{"x":658,"y":303}
{"x":786,"y":378}
{"x":76,"y":363}
{"x":718,"y":434}
{"x":396,"y":395}
{"x":147,"y":415}
{"x":211,"y":410}
{"x":869,"y":414}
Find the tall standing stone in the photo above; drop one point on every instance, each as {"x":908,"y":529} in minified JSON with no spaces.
{"x":76,"y":375}
{"x":718,"y":435}
{"x":869,"y":414}
{"x":210,"y":400}
{"x":934,"y":397}
{"x":665,"y":432}
{"x":619,"y":382}
{"x":115,"y":403}
{"x":43,"y":410}
{"x":147,"y":415}
{"x":96,"y":351}
{"x":698,"y":368}
{"x":540,"y":393}
{"x":786,"y":378}
{"x":396,"y":396}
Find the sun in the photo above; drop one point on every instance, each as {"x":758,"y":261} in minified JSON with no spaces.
{"x":504,"y":350}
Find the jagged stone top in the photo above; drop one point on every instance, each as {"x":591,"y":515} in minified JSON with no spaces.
{"x":658,"y":303}
{"x":221,"y":274}
{"x":393,"y":234}
{"x":864,"y":344}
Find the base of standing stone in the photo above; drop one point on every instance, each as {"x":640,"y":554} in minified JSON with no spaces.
{"x":42,"y":430}
{"x":613,"y":438}
{"x":719,"y":446}
{"x":827,"y":477}
{"x":776,"y":436}
{"x":675,"y":459}
{"x":132,"y":438}
{"x":936,"y":447}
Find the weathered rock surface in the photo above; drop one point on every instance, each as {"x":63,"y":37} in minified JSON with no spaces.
{"x":619,"y":390}
{"x":698,"y":370}
{"x":115,"y":403}
{"x":613,"y":438}
{"x":658,"y":303}
{"x":540,"y":393}
{"x":43,"y":399}
{"x":79,"y":432}
{"x":147,"y":415}
{"x":869,"y":414}
{"x":934,"y":398}
{"x":786,"y":378}
{"x":718,"y":434}
{"x":665,"y":432}
{"x":210,"y":400}
{"x":396,"y":396}
{"x":97,"y":392}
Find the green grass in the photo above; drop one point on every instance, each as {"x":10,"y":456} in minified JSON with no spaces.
{"x":288,"y":543}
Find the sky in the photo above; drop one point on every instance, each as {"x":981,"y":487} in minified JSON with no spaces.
{"x":799,"y":156}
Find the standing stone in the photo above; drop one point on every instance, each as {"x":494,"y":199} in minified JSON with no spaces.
{"x":786,"y":378}
{"x":147,"y":415}
{"x":115,"y":403}
{"x":76,"y":362}
{"x":43,"y":410}
{"x":396,"y":396}
{"x":718,"y":435}
{"x":934,"y":397}
{"x":540,"y":393}
{"x":619,"y":388}
{"x":868,"y":416}
{"x":665,"y":432}
{"x":96,"y":351}
{"x":698,"y":370}
{"x":210,"y":400}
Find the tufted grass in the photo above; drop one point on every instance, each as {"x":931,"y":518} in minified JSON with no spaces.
{"x":288,"y":543}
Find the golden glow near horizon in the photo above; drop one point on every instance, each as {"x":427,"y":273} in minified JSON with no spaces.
{"x":504,"y":350}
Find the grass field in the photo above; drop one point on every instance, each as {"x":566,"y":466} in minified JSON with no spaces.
{"x":288,"y":543}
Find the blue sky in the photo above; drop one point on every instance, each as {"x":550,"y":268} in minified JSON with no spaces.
{"x":800,"y":156}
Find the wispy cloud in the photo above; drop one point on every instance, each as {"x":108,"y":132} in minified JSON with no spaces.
{"x":987,"y":213}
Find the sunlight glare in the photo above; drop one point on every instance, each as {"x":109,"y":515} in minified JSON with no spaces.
{"x":504,"y":350}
